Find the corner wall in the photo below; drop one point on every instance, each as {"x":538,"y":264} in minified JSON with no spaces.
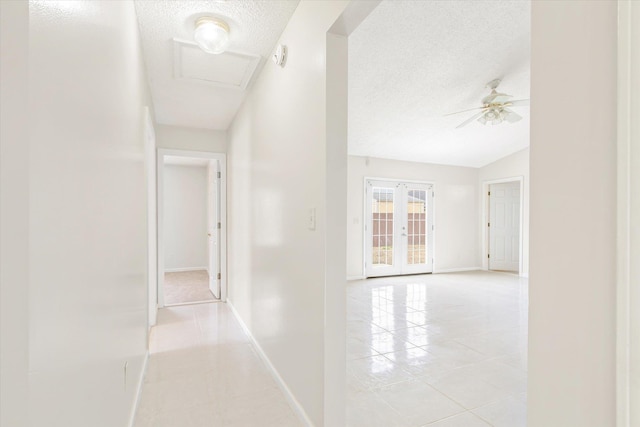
{"x":14,"y":212}
{"x":87,"y":213}
{"x":572,"y":316}
{"x":277,"y":161}
{"x":456,"y":210}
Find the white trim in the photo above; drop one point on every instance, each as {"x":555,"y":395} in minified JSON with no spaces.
{"x":152,"y":219}
{"x":456,"y":270}
{"x":136,"y":402}
{"x":485,"y":219}
{"x":628,"y":193}
{"x":355,"y":278}
{"x":293,"y":402}
{"x":222,"y":160}
{"x":181,"y":269}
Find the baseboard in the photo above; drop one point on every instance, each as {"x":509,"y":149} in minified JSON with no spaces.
{"x":456,"y":270}
{"x":297,"y":407}
{"x":178,"y":270}
{"x":355,"y":278}
{"x":143,"y":373}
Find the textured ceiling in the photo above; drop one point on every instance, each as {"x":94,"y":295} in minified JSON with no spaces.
{"x":411,"y":62}
{"x":255,"y":29}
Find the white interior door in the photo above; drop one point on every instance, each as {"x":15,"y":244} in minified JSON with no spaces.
{"x":213,"y":230}
{"x":504,"y":226}
{"x":398,"y":228}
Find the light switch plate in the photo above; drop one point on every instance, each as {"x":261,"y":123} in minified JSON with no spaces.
{"x":311,"y":224}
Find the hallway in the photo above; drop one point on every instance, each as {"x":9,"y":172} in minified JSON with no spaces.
{"x":203,"y":371}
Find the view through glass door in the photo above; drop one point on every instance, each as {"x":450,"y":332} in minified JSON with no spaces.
{"x":399,"y":228}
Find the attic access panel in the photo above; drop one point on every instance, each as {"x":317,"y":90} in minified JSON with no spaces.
{"x":228,"y":70}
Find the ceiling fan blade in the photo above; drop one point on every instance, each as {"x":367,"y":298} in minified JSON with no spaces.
{"x":464,"y":111}
{"x":512,"y":117}
{"x":518,"y":103}
{"x":470,"y":119}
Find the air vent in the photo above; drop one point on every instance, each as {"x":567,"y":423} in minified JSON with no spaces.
{"x":229,"y":69}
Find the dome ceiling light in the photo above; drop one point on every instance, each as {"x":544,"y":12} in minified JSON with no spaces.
{"x":211,"y":34}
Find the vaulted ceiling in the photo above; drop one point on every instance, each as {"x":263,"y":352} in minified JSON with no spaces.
{"x":412,"y":62}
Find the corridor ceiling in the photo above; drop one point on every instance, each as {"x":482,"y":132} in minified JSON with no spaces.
{"x":412,"y":62}
{"x":181,"y":76}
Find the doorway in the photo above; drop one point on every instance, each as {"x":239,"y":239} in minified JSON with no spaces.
{"x":191,"y":227}
{"x":398,"y":228}
{"x":504,"y":225}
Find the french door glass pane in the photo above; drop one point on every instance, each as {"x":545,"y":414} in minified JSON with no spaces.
{"x":382,"y":210}
{"x":416,"y":226}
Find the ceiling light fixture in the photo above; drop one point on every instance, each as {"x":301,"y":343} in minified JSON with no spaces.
{"x":211,"y":34}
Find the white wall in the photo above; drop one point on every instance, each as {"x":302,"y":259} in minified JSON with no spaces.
{"x":185,"y":217}
{"x":572,"y":316}
{"x":455,"y":210}
{"x":14,"y":212}
{"x":277,"y":162}
{"x":87,"y":213}
{"x":515,"y":165}
{"x":182,"y":138}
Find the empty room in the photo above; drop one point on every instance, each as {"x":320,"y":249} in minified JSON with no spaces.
{"x":324,"y":213}
{"x":437,"y":230}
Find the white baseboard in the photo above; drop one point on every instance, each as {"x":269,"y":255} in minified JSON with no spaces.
{"x":297,"y":407}
{"x":143,"y":373}
{"x":178,"y":270}
{"x":355,"y":278}
{"x":456,"y":270}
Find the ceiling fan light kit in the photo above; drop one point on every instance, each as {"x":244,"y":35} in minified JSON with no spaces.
{"x":494,"y":108}
{"x":211,"y":34}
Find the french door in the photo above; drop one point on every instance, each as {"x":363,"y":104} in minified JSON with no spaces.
{"x":398,"y":228}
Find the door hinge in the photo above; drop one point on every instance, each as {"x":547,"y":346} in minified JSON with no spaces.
{"x":488,"y":224}
{"x":219,"y":226}
{"x":219,"y":174}
{"x":432,"y":227}
{"x":488,"y":256}
{"x":219,"y":276}
{"x":489,"y":193}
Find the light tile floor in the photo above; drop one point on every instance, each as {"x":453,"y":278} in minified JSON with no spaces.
{"x":442,"y":350}
{"x":203,"y":371}
{"x":183,"y":287}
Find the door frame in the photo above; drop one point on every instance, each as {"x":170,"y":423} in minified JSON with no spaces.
{"x":434,"y":219}
{"x":152,"y":218}
{"x":222,"y":159}
{"x":486,"y":215}
{"x":628,"y":221}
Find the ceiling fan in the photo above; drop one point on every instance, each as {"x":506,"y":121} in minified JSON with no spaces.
{"x":494,"y":108}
